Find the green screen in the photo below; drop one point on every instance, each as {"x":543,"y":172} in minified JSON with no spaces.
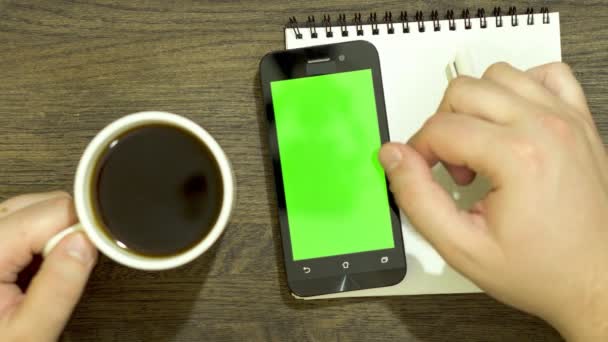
{"x":335,"y":190}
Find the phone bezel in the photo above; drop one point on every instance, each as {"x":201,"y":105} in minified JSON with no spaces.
{"x":328,"y":274}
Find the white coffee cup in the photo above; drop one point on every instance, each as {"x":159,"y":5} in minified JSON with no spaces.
{"x":84,"y":202}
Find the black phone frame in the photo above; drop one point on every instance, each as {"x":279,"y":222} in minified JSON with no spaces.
{"x":347,"y":272}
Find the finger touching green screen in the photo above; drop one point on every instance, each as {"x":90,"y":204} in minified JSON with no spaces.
{"x":335,"y":190}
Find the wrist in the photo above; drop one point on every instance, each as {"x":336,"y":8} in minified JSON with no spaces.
{"x":589,"y":321}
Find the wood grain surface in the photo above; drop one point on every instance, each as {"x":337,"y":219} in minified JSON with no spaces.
{"x":67,"y":68}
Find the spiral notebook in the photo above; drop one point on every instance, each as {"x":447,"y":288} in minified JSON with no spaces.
{"x":413,"y":58}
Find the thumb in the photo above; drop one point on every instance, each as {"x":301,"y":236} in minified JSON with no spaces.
{"x":456,"y":234}
{"x":57,"y":287}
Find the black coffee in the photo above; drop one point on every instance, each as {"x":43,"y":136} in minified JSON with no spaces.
{"x":158,"y":190}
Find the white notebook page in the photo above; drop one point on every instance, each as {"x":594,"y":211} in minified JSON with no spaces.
{"x":413,"y":75}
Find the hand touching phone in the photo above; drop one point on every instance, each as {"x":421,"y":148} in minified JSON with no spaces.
{"x":539,"y":239}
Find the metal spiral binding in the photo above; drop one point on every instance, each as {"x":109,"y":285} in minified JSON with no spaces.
{"x":467,"y":19}
{"x":293,"y":24}
{"x":513,"y":14}
{"x":481,"y":14}
{"x":435,"y":19}
{"x":530,"y":13}
{"x":310,"y":23}
{"x":545,"y":12}
{"x":404,"y":22}
{"x":343,"y":25}
{"x":358,"y":24}
{"x":387,"y":20}
{"x":373,"y":21}
{"x":498,"y":16}
{"x":451,"y":21}
{"x":327,"y":23}
{"x":420,"y":20}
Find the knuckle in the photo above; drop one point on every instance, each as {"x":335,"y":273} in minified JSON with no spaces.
{"x":561,"y":68}
{"x":64,"y":209}
{"x":458,"y":86}
{"x":432,"y":127}
{"x":562,"y":128}
{"x":590,"y":131}
{"x":433,"y":121}
{"x":526,"y":152}
{"x":65,"y":204}
{"x":62,"y":201}
{"x":61,"y":193}
{"x":427,"y":129}
{"x":496,"y":69}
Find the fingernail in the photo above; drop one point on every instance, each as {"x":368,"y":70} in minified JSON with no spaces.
{"x":80,"y":249}
{"x":390,"y":156}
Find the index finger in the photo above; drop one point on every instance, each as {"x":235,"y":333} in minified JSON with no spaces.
{"x":485,"y":99}
{"x":13,"y":204}
{"x":464,"y":140}
{"x":26,"y":231}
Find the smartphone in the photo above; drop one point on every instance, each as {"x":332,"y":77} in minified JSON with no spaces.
{"x":340,"y":227}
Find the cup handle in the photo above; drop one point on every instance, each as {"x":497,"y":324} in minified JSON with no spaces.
{"x":48,"y":247}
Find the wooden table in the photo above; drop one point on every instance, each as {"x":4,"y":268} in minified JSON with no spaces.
{"x":69,"y":68}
